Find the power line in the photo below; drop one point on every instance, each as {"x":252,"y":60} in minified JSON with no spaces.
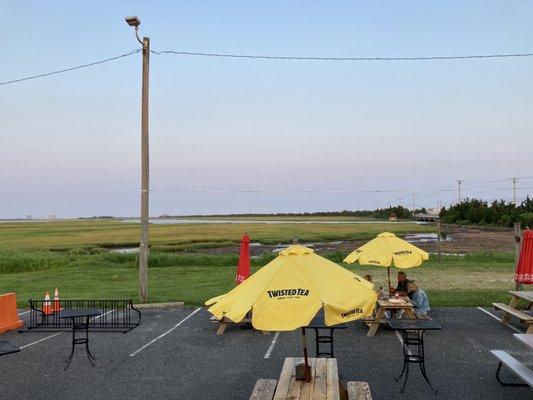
{"x":420,"y":193}
{"x":496,"y":189}
{"x":313,"y":58}
{"x":498,"y":180}
{"x":485,"y":182}
{"x":71,"y":68}
{"x":302,"y":191}
{"x":265,"y":57}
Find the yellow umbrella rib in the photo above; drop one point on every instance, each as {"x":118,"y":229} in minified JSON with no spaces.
{"x":305,"y":267}
{"x":279,"y":264}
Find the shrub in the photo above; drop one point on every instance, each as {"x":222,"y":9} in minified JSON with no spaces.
{"x":526,"y":219}
{"x":474,"y":211}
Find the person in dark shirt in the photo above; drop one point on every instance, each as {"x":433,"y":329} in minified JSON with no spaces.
{"x":402,"y":288}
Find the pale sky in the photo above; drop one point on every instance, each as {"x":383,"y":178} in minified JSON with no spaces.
{"x":70,"y":143}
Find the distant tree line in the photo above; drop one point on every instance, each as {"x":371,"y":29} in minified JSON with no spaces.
{"x":98,"y":217}
{"x":499,"y":212}
{"x":399,"y":212}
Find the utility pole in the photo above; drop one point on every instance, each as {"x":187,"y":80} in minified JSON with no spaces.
{"x":459,"y":183}
{"x":517,"y":246}
{"x":414,"y":194}
{"x":145,"y":162}
{"x":514,"y":190}
{"x":438,"y":240}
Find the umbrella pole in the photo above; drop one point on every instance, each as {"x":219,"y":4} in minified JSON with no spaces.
{"x":388,"y":273}
{"x":307,"y":373}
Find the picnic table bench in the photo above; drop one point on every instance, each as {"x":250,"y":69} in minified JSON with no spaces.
{"x":384,"y":306}
{"x":519,"y":369}
{"x":358,"y":390}
{"x":512,"y":308}
{"x":264,"y":389}
{"x":325,"y":384}
{"x":515,"y":366}
{"x":526,"y":339}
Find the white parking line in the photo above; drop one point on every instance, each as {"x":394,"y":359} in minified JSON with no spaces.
{"x":56,"y":334}
{"x":272,"y":344}
{"x":24,"y":312}
{"x":40,"y":340}
{"x":498,"y":319}
{"x":166,"y":333}
{"x":101,"y":315}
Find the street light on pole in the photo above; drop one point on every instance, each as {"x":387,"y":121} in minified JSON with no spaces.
{"x":145,"y":162}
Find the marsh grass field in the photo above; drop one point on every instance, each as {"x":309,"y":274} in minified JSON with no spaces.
{"x":89,"y":234}
{"x":75,"y":256}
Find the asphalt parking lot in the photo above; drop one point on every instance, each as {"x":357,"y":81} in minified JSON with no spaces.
{"x":175,"y":354}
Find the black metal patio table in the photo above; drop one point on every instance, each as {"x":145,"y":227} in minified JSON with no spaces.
{"x":80,"y":322}
{"x":413,"y":331}
{"x":318,"y":324}
{"x":7,"y":347}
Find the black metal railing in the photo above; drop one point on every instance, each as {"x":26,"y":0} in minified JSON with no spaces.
{"x":117,"y":315}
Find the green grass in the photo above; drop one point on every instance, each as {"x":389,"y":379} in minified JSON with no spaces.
{"x":474,"y":280}
{"x":62,"y":235}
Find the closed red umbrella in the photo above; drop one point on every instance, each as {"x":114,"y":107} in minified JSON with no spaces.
{"x":243,"y":267}
{"x":524,"y":268}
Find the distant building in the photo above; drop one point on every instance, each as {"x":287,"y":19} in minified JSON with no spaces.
{"x":433,"y":211}
{"x":426,"y":217}
{"x":392,"y":217}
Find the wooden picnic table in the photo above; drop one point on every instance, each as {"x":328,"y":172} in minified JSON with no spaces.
{"x":515,"y":301}
{"x":521,"y":295}
{"x":324,"y":384}
{"x":386,"y":305}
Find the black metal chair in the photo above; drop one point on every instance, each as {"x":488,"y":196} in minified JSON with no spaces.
{"x":413,"y":353}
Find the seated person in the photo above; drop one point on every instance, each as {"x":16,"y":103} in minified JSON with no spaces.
{"x":401,"y":289}
{"x":419,"y":299}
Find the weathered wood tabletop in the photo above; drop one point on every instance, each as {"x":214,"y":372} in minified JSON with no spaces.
{"x":525,"y":295}
{"x":323,"y":386}
{"x":513,"y":308}
{"x":384,"y":305}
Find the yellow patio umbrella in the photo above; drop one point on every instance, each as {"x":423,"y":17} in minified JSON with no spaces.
{"x":387,"y":249}
{"x":288,"y":292}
